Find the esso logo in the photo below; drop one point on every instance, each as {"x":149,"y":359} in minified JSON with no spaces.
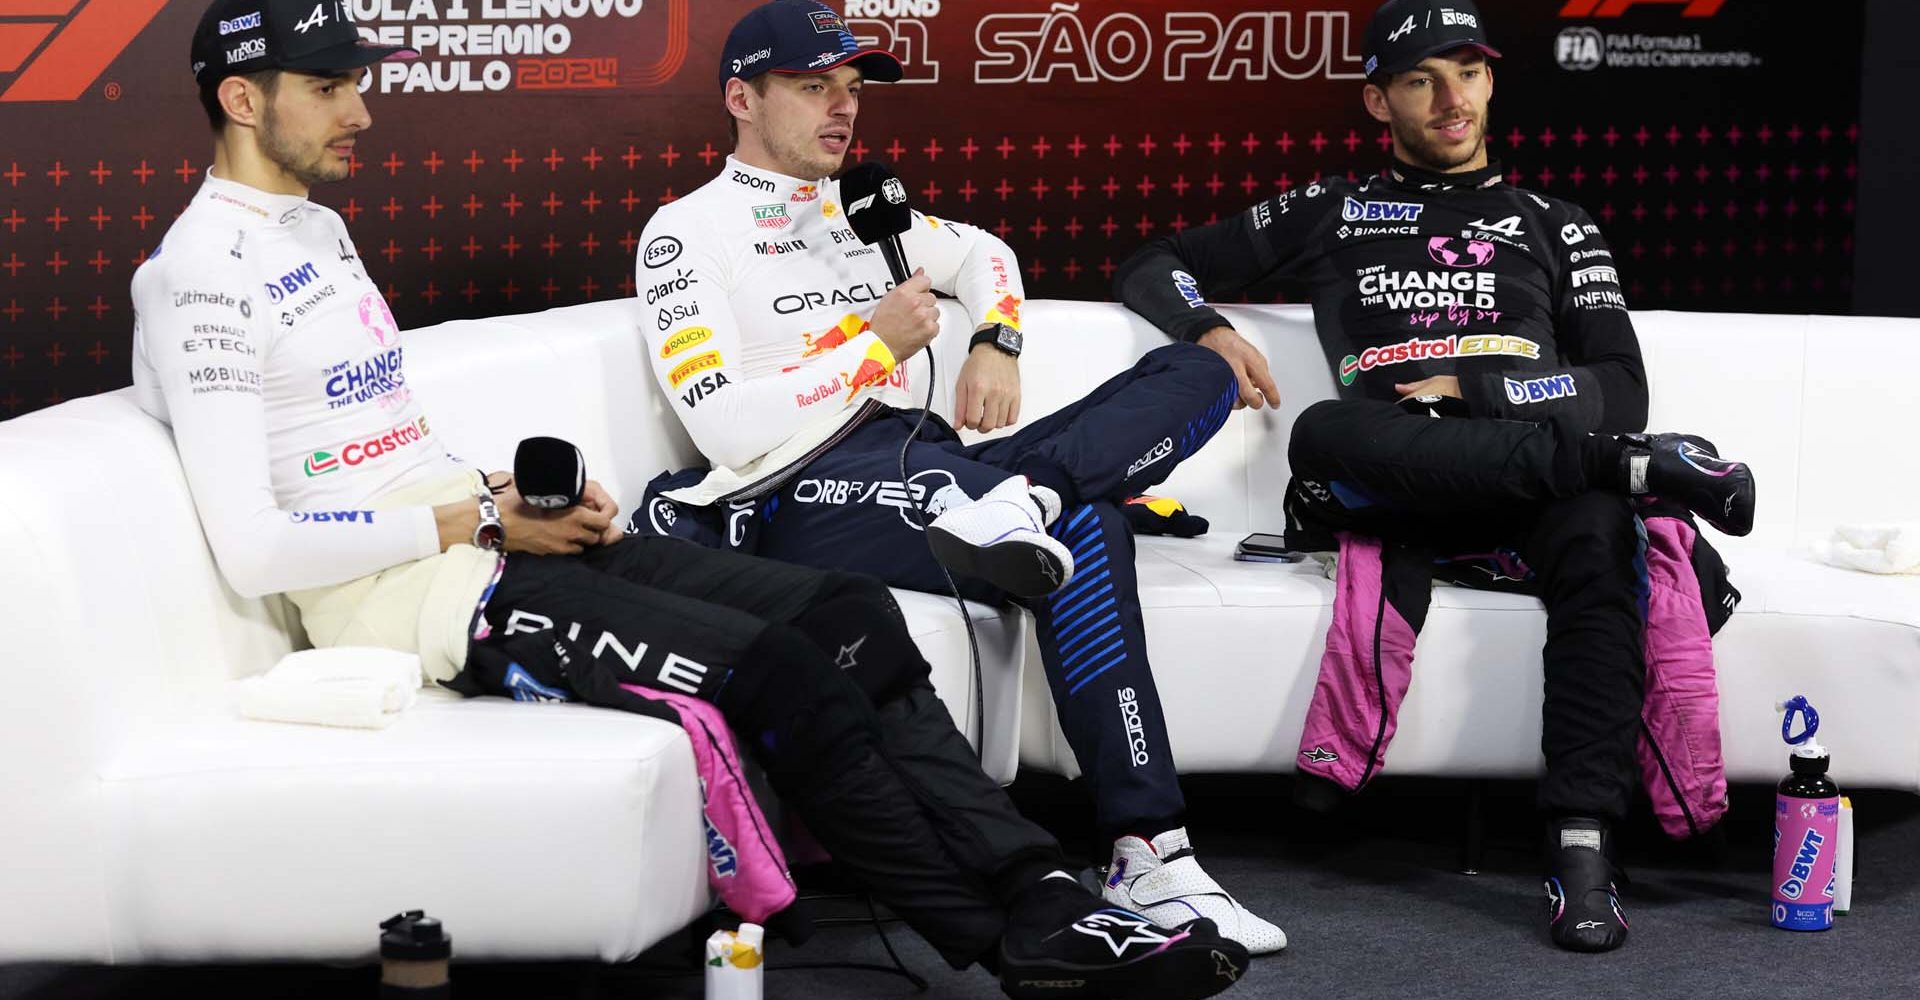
{"x":663,"y":250}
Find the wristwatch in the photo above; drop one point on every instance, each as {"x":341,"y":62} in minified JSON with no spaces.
{"x":490,"y":533}
{"x":1004,"y":338}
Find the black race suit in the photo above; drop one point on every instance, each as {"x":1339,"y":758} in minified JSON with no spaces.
{"x":817,"y":672}
{"x":1413,"y":275}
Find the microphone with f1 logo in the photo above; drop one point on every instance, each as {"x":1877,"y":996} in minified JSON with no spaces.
{"x":550,"y":473}
{"x":878,"y":212}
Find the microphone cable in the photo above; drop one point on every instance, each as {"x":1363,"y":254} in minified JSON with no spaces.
{"x":919,"y":517}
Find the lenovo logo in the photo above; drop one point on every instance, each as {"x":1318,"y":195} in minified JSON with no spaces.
{"x":58,"y":54}
{"x":1617,"y":8}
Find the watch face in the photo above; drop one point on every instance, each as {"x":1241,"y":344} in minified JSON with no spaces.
{"x":1008,"y":339}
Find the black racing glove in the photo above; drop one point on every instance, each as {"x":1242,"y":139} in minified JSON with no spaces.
{"x":1162,"y":516}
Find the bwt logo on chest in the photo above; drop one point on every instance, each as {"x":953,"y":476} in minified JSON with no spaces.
{"x":292,"y":281}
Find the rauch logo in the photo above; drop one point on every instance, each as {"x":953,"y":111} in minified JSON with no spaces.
{"x":58,"y":48}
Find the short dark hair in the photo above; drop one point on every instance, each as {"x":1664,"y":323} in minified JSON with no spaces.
{"x":268,"y":80}
{"x":759,"y":85}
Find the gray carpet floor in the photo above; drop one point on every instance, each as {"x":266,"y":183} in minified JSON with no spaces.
{"x":1371,"y":898}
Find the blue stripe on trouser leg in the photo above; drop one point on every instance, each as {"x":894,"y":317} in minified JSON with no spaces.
{"x":1094,"y":648}
{"x":1202,"y":428}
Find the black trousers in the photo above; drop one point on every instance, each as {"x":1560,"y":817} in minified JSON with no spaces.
{"x":818,"y":673}
{"x":1446,"y":487}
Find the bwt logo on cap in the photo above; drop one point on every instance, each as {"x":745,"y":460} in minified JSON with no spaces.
{"x":72,"y":58}
{"x":245,"y":22}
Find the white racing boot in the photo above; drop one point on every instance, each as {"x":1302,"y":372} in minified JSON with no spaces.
{"x":1002,"y":538}
{"x":1162,"y":880}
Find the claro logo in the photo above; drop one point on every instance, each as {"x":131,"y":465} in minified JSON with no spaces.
{"x":58,"y":48}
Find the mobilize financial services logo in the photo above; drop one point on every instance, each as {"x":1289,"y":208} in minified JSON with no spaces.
{"x":56,"y":49}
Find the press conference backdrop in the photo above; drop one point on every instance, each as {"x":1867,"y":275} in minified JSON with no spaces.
{"x":513,"y":166}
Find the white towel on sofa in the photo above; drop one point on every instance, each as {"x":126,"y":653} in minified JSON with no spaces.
{"x":352,"y":686}
{"x":1873,"y":548}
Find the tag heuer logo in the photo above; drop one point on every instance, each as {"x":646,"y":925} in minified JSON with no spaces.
{"x":770,"y":216}
{"x":320,"y":463}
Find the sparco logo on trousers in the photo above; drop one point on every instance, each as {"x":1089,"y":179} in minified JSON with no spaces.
{"x":1154,"y":454}
{"x":1136,"y":732}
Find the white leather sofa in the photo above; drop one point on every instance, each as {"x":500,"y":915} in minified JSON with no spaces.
{"x":147,"y":821}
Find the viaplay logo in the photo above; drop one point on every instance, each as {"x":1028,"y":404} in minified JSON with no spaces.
{"x":55,"y":50}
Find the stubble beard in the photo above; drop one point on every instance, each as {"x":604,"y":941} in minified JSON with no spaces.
{"x":1427,"y":154}
{"x":807,"y":163}
{"x":310,"y":169}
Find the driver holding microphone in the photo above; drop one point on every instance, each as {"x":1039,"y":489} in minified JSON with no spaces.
{"x":781,"y":337}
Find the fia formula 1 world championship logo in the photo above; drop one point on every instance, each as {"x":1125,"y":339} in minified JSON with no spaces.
{"x":54,"y":50}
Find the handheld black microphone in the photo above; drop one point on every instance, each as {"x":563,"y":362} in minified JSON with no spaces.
{"x":550,"y":473}
{"x":878,"y":212}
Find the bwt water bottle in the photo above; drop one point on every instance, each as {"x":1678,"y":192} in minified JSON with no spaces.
{"x":1806,"y":820}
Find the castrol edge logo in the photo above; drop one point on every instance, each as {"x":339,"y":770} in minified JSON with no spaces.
{"x":326,"y":460}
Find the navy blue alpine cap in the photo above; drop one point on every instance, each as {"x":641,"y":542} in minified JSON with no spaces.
{"x":799,"y":36}
{"x":313,"y":36}
{"x":1403,"y":32}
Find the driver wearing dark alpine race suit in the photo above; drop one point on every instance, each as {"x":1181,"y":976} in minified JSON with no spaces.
{"x":1448,"y":292}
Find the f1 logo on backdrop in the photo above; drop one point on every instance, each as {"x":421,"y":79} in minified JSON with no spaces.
{"x":59,"y":48}
{"x":1618,"y":8}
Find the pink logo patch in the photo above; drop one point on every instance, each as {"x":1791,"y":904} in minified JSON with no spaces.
{"x":377,"y":319}
{"x":1456,"y":252}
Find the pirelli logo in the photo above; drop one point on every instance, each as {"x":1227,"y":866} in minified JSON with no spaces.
{"x":53,"y":50}
{"x":693,"y":366}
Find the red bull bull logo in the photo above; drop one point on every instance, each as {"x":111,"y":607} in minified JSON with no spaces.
{"x":1007,"y":311}
{"x":849,"y":327}
{"x":874,"y":370}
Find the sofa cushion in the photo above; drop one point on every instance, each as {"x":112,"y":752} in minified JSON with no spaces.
{"x":223,"y":833}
